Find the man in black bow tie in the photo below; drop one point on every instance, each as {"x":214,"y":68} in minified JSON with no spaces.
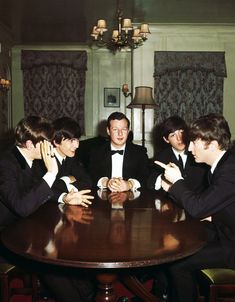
{"x":119,"y":165}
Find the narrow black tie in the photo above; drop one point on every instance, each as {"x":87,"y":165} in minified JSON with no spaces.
{"x":180,"y":161}
{"x":117,"y":151}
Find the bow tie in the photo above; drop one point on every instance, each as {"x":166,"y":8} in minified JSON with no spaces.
{"x":117,"y":151}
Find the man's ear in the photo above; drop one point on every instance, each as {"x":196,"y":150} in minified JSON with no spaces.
{"x":166,"y":140}
{"x":107,"y":129}
{"x":55,"y":144}
{"x":214,"y":145}
{"x":29,"y":145}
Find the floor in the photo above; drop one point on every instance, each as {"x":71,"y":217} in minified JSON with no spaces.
{"x":120,"y":289}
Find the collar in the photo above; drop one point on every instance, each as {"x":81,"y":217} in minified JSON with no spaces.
{"x":114,"y":148}
{"x":28,"y":161}
{"x":59,"y":157}
{"x":216,"y":161}
{"x":177,"y":153}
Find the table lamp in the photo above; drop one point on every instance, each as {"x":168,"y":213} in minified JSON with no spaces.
{"x":143,"y":99}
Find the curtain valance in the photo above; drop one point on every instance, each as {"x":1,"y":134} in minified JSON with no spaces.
{"x":74,"y":59}
{"x":168,"y":61}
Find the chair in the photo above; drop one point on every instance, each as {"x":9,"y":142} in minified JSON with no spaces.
{"x":8,"y":273}
{"x":221,"y":284}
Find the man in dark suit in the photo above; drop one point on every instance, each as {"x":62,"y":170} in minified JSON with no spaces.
{"x":22,"y":190}
{"x":24,"y":187}
{"x":209,"y":143}
{"x":119,"y":165}
{"x":174,"y":133}
{"x":72,"y":182}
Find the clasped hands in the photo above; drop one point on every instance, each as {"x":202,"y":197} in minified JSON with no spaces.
{"x":118,"y":184}
{"x":171,"y":175}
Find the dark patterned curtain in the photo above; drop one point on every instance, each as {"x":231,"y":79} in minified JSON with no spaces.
{"x":54,"y":83}
{"x":189,"y":84}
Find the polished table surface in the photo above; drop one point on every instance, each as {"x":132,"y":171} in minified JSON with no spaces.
{"x":119,"y":230}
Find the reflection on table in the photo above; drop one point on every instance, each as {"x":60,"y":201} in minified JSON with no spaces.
{"x":119,"y":231}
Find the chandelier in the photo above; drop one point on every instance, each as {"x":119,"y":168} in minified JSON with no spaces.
{"x":124,"y":36}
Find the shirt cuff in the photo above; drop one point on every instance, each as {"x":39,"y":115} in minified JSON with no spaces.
{"x":60,"y":199}
{"x":158,"y":183}
{"x":100,"y":183}
{"x":49,"y":178}
{"x":136,"y":184}
{"x":66,"y":179}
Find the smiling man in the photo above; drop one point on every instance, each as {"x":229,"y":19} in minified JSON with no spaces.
{"x":209,"y":143}
{"x":72,"y":184}
{"x":119,"y":165}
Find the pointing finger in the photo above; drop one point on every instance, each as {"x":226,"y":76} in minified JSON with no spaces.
{"x":164,"y":166}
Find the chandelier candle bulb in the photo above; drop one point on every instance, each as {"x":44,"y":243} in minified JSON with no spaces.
{"x":101,"y":24}
{"x":127,"y":25}
{"x":115,"y":34}
{"x":144,"y":28}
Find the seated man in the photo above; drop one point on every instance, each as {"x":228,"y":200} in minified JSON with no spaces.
{"x":119,"y":165}
{"x":22,"y":191}
{"x":71,"y":177}
{"x":174,"y":133}
{"x":209,"y":143}
{"x":24,"y":188}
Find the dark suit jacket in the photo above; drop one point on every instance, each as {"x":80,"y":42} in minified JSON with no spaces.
{"x":86,"y":146}
{"x":218,"y":201}
{"x":135,"y":163}
{"x":22,"y":190}
{"x":195,"y":175}
{"x":71,"y":167}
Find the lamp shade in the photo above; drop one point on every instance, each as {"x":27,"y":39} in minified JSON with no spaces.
{"x":143,"y":98}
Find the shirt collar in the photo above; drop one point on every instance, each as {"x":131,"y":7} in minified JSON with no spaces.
{"x":114,"y":148}
{"x":58,"y":156}
{"x":177,"y":153}
{"x":216,"y":161}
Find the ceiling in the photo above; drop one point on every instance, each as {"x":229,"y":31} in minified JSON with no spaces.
{"x":70,"y":21}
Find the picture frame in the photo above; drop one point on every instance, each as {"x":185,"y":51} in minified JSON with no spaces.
{"x":111,"y":97}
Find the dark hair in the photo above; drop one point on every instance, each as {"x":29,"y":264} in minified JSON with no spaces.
{"x":65,"y":128}
{"x":33,"y":128}
{"x":211,"y":127}
{"x":117,"y":116}
{"x":171,"y":124}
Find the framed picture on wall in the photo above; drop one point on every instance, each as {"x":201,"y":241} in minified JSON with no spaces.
{"x":111,"y":97}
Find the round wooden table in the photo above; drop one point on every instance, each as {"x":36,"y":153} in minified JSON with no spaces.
{"x":119,"y":232}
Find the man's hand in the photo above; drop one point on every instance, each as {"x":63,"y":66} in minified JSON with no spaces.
{"x":48,"y":156}
{"x":172,"y":172}
{"x":78,"y":198}
{"x":166,"y":185}
{"x":78,"y":214}
{"x":117,"y":184}
{"x":118,"y":197}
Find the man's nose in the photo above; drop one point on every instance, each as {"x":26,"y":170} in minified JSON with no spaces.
{"x":179,"y":136}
